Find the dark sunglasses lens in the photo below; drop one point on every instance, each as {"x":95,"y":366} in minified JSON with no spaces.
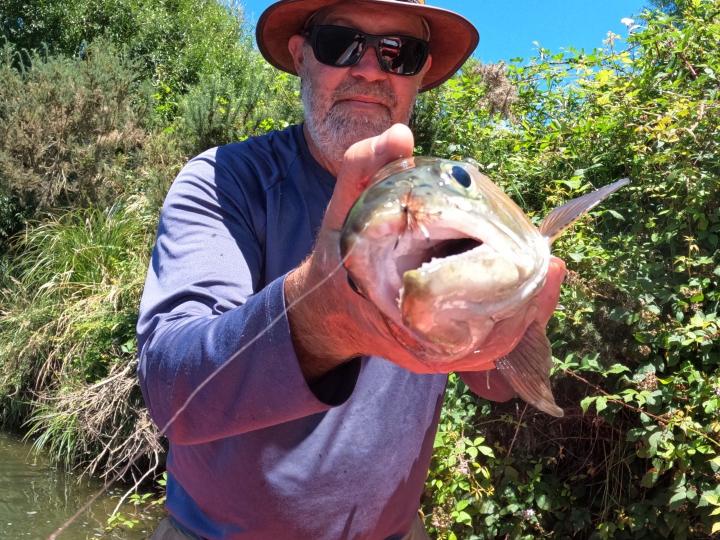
{"x":403,"y":56}
{"x":341,"y":47}
{"x":337,"y":46}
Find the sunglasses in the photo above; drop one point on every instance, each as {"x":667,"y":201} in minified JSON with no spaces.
{"x":340,"y":46}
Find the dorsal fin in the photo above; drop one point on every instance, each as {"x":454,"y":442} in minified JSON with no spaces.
{"x":563,"y":216}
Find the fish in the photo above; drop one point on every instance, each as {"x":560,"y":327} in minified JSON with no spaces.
{"x":445,"y":255}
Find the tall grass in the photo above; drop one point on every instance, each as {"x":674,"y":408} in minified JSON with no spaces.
{"x":67,"y":342}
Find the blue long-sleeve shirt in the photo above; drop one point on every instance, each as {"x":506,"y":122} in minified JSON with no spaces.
{"x":257,"y":453}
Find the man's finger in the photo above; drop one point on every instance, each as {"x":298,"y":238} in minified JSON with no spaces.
{"x":548,"y":298}
{"x":362,"y":160}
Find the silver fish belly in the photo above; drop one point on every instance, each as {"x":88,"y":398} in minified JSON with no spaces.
{"x":446,"y":255}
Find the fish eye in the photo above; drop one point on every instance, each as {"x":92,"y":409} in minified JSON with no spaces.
{"x":461,"y":176}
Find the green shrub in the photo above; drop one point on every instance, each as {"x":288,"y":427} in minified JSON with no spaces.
{"x":12,"y":219}
{"x":217,"y":112}
{"x":175,"y":44}
{"x":636,"y":338}
{"x":450,"y":120}
{"x":67,"y":127}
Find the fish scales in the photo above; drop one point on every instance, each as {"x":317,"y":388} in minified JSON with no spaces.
{"x":446,"y":256}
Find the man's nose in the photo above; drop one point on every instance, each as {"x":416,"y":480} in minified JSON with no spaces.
{"x":368,"y":67}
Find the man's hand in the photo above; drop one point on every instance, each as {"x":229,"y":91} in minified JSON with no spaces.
{"x":332,"y":324}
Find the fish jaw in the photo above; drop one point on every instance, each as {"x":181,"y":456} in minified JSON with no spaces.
{"x":433,"y":305}
{"x":455,"y":301}
{"x":369,"y":256}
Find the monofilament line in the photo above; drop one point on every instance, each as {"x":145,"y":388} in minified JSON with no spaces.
{"x":202,"y":385}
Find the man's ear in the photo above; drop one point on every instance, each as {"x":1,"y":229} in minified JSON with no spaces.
{"x":296,"y":46}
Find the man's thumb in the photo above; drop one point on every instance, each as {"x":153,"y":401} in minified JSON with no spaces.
{"x":362,"y":160}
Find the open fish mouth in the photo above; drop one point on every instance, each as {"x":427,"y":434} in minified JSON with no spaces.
{"x":424,"y":263}
{"x":449,"y":283}
{"x":425,"y":255}
{"x":447,"y":249}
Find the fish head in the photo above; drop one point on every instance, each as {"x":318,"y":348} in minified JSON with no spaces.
{"x":443,"y":253}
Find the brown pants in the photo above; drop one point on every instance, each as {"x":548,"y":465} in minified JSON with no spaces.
{"x":168,"y":531}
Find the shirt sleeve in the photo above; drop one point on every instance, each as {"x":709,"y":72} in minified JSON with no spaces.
{"x":216,"y":355}
{"x":488,"y":384}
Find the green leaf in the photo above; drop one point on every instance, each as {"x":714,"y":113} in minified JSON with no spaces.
{"x":543,"y":502}
{"x":649,"y":478}
{"x":616,"y":215}
{"x":511,"y":473}
{"x":616,"y":368}
{"x":463,"y":517}
{"x":574,"y":183}
{"x":486,"y":451}
{"x":585,"y":403}
{"x":677,"y":498}
{"x":654,"y":440}
{"x":601,"y":403}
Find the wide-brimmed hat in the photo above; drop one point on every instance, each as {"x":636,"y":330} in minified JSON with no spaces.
{"x":452,"y":37}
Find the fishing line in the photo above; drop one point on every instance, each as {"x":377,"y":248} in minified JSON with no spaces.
{"x":202,"y":385}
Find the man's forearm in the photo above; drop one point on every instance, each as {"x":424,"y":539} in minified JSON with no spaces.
{"x":319,"y":330}
{"x":209,"y":377}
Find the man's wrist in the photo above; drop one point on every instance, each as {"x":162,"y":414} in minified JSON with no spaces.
{"x":315,"y":327}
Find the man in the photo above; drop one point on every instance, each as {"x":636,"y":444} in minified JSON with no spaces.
{"x":315,"y":423}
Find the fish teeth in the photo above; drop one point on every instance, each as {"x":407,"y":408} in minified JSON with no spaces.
{"x":447,"y":259}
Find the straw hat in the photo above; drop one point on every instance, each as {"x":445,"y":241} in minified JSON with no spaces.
{"x":452,"y":37}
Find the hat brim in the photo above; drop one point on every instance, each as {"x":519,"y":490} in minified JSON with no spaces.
{"x":452,"y":37}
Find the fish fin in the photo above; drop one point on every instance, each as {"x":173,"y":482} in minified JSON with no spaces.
{"x":527,"y":369}
{"x":563,"y":216}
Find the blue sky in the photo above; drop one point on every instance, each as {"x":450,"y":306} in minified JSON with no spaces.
{"x":508,"y":28}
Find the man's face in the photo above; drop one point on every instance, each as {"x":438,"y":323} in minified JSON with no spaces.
{"x":346,"y":105}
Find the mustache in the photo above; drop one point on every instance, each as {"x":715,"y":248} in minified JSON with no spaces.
{"x":381,"y":90}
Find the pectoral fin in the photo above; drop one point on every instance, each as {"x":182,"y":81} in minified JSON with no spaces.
{"x":563,"y":216}
{"x":527,"y":369}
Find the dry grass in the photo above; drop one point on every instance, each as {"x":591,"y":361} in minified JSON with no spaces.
{"x":105,"y":422}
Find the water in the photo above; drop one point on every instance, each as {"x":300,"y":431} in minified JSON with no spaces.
{"x":37,"y":498}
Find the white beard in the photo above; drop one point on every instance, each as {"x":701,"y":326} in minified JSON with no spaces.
{"x":335,"y":129}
